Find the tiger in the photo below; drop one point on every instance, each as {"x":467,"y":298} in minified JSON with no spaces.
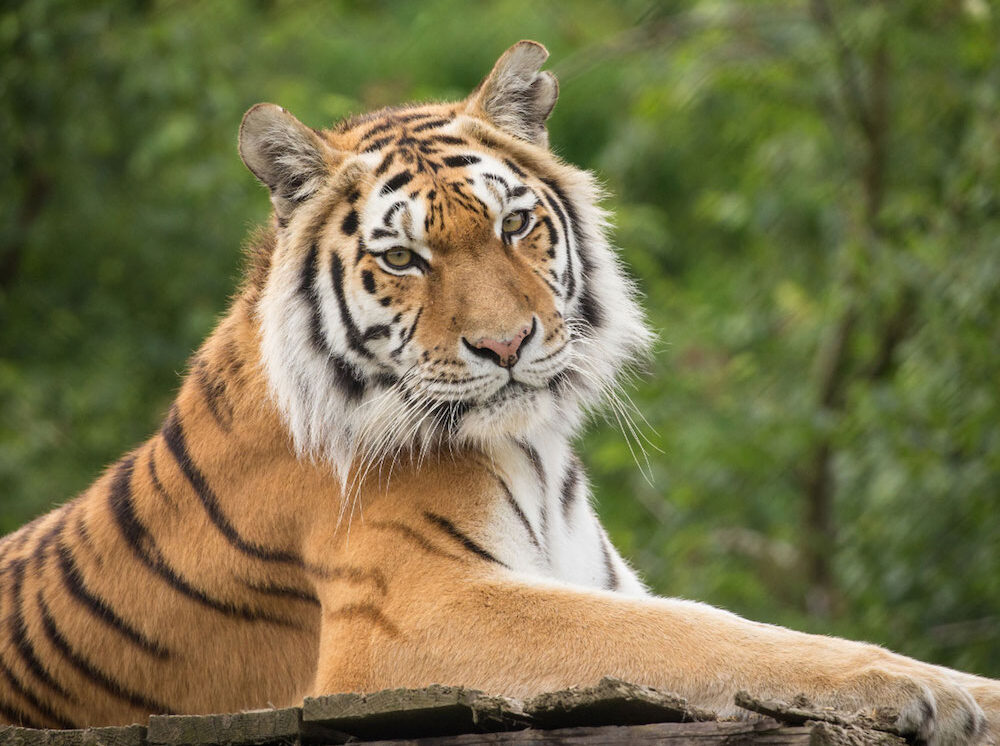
{"x":367,"y":477}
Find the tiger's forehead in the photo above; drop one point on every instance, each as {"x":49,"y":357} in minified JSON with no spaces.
{"x":428,"y":181}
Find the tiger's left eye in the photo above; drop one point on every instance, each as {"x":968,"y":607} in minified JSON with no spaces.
{"x":399,"y":258}
{"x":514,"y":223}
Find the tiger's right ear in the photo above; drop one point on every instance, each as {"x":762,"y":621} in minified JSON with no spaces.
{"x":288,"y":157}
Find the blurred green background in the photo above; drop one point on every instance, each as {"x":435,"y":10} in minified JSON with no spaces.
{"x":805,"y":191}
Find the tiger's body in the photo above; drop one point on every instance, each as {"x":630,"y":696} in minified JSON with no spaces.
{"x":366,"y":479}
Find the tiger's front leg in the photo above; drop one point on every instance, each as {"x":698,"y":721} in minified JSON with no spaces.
{"x":461,"y":622}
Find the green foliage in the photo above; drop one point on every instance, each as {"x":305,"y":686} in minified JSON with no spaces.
{"x":805,"y":192}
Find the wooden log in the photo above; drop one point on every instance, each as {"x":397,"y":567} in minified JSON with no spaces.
{"x":408,"y":713}
{"x":253,"y":728}
{"x":611,"y":702}
{"x":129,"y":735}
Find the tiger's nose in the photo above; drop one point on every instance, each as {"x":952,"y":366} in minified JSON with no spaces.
{"x":503,"y":352}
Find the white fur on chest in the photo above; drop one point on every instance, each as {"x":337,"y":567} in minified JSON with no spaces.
{"x":542,"y":524}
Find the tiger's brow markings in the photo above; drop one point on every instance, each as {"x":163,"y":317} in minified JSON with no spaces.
{"x":432,"y":124}
{"x":396,"y":182}
{"x":378,"y":233}
{"x":393,"y":209}
{"x":88,"y":669}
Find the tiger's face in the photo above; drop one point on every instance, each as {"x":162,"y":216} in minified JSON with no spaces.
{"x":438,"y":276}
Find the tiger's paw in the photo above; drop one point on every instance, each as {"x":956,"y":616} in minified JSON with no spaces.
{"x":928,"y":706}
{"x":986,"y":692}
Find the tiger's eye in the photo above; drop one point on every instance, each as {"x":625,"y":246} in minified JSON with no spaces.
{"x":514,"y":222}
{"x":398,"y":258}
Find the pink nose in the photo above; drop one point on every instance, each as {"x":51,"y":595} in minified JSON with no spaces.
{"x":501,"y":351}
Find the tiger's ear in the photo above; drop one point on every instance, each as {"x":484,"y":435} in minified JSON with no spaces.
{"x":286,"y":156}
{"x":516,"y":96}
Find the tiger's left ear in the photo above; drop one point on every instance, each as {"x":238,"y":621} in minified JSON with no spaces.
{"x":516,"y":96}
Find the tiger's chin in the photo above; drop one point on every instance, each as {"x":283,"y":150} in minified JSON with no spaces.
{"x":516,"y":410}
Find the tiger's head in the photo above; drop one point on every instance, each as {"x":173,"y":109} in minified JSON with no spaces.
{"x":438,"y":276}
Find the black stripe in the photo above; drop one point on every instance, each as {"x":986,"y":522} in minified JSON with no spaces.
{"x":376,"y":331}
{"x":381,"y":127}
{"x":17,"y":717}
{"x":386,"y":162}
{"x":173,"y":435}
{"x":514,"y":167}
{"x":17,"y":686}
{"x":379,"y":144}
{"x":611,"y":575}
{"x":563,"y":221}
{"x":368,"y":281}
{"x":409,"y":533}
{"x":397,"y":182}
{"x":383,"y":233}
{"x":393,"y":209}
{"x":146,"y":551}
{"x":350,"y":223}
{"x":448,"y":139}
{"x":516,"y":507}
{"x":536,"y":463}
{"x":452,"y":530}
{"x":417,"y":115}
{"x":354,"y":338}
{"x":568,"y":490}
{"x":553,"y":234}
{"x":213,"y":390}
{"x":155,"y":479}
{"x":86,"y":541}
{"x":347,"y":379}
{"x":72,"y":580}
{"x":591,"y":312}
{"x":405,"y":340}
{"x":531,"y":454}
{"x":89,"y":670}
{"x":457,"y":161}
{"x":281,"y":591}
{"x":429,"y":125}
{"x":19,"y":634}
